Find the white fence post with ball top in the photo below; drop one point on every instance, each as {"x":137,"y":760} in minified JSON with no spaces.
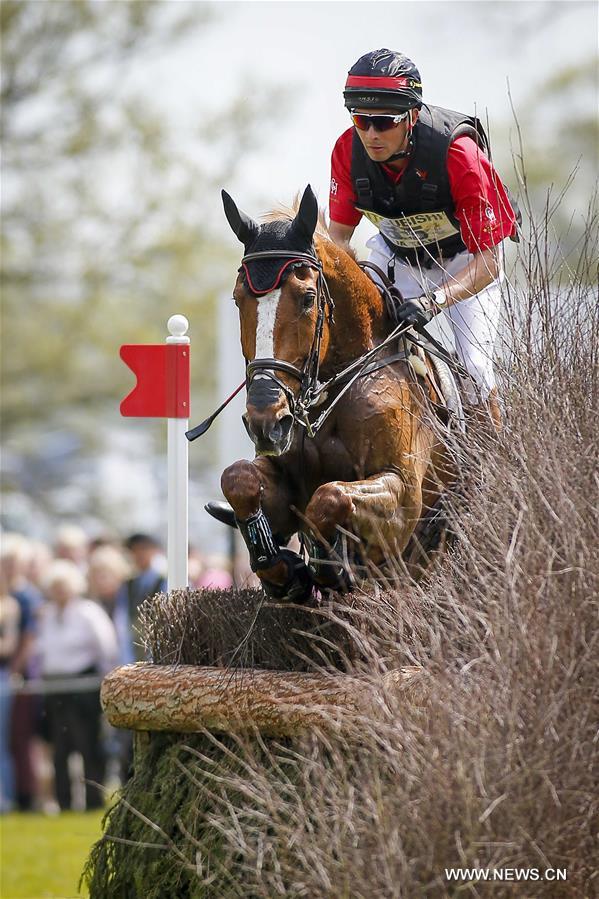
{"x":178,"y":477}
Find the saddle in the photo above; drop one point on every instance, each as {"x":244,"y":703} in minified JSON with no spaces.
{"x":453,"y":385}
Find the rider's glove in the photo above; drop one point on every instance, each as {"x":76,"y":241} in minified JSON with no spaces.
{"x":417,"y":311}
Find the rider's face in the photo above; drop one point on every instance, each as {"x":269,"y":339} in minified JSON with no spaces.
{"x":380,"y":145}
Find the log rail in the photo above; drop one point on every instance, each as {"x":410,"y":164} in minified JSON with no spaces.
{"x":190,"y":699}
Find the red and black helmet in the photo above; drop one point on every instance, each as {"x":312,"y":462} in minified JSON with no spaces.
{"x":383,"y":79}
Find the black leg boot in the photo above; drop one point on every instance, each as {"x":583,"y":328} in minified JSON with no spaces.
{"x":265,"y":553}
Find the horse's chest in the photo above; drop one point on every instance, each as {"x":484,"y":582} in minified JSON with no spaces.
{"x":371,"y":424}
{"x":335,"y":459}
{"x":320,"y":460}
{"x":363,"y":435}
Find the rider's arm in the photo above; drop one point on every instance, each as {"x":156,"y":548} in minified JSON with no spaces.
{"x":341,"y":234}
{"x":480,"y":271}
{"x":485,"y":215}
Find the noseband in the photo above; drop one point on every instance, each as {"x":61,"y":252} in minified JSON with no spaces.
{"x":308,"y":375}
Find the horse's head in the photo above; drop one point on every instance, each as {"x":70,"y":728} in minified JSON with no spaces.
{"x":281,"y":298}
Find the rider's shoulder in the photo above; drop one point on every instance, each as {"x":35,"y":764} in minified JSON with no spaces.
{"x":465,"y":144}
{"x":343,"y":144}
{"x":465,"y":151}
{"x":341,"y":157}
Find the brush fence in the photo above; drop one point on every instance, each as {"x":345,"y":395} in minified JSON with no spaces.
{"x":190,"y":699}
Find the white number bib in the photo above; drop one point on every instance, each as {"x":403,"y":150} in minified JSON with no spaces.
{"x":411,"y":231}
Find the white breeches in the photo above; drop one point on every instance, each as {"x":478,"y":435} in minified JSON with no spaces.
{"x":474,"y":322}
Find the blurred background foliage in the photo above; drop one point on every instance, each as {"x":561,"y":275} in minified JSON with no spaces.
{"x":106,"y":229}
{"x":103,"y":214}
{"x":552,"y":136}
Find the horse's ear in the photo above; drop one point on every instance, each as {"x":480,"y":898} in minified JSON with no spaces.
{"x":307,"y":215}
{"x":244,"y":228}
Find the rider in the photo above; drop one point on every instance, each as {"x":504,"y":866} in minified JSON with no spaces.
{"x":423,"y":176}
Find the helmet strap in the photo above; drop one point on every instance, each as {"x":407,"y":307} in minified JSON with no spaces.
{"x":403,"y":154}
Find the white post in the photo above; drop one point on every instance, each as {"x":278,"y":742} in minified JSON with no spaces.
{"x":177,"y":452}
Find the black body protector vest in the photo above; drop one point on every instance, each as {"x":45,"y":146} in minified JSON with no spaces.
{"x":416,"y":217}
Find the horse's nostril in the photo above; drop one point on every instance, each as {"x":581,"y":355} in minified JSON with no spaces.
{"x":275,"y":433}
{"x":266,"y":432}
{"x":286,"y":423}
{"x":279,"y":431}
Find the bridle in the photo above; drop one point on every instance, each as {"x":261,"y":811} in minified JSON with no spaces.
{"x":307,"y":376}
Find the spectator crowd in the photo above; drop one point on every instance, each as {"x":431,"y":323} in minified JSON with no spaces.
{"x":68,"y":614}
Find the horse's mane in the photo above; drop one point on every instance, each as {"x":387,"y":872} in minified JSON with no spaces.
{"x":357,"y":289}
{"x":288,"y":213}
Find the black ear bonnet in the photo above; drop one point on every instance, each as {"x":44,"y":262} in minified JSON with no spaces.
{"x":288,"y":237}
{"x":264,"y":275}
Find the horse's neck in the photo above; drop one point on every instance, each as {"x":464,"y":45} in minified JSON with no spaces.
{"x":360,"y":319}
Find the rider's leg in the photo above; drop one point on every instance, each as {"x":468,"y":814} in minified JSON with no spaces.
{"x":475,"y":324}
{"x":261,"y":502}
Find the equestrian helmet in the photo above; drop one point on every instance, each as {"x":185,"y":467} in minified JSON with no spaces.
{"x":383,"y":79}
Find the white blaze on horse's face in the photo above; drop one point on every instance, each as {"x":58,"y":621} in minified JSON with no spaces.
{"x":267,"y":419}
{"x":265,"y":325}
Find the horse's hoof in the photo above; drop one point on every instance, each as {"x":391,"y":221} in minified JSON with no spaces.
{"x":298,"y":587}
{"x":326,"y":568}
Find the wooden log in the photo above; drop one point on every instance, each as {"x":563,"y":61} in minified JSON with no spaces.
{"x":188,"y":698}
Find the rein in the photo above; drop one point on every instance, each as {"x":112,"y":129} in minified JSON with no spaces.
{"x":359,"y":368}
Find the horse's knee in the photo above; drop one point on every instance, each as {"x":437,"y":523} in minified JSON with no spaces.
{"x":330,"y":506}
{"x":241,"y":485}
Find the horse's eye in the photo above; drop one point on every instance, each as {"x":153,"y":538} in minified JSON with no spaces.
{"x":301,"y":271}
{"x":308,"y":299}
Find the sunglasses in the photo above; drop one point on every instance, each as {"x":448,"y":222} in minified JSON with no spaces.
{"x":378,"y":122}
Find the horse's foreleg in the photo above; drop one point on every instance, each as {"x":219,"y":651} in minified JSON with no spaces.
{"x":261,"y":502}
{"x":381,"y":511}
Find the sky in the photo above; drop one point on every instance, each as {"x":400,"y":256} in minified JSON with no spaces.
{"x":467,"y":52}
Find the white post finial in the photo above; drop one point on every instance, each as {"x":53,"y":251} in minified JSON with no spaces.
{"x":178,"y":327}
{"x":178,"y":476}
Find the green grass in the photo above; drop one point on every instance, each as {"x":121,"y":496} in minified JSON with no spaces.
{"x":42,"y":856}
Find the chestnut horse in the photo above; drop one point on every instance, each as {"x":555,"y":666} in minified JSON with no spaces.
{"x":375,"y":465}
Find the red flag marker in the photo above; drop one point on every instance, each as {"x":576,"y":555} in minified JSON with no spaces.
{"x":162,"y":389}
